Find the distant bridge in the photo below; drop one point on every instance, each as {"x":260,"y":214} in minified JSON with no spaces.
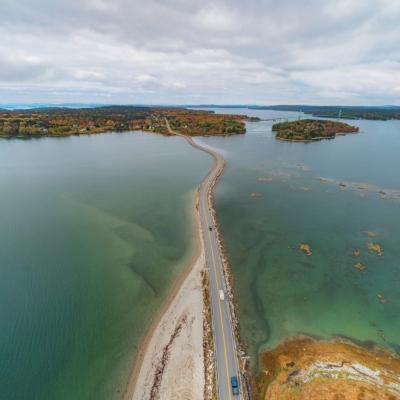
{"x":280,"y":119}
{"x":298,"y":118}
{"x":277,"y":119}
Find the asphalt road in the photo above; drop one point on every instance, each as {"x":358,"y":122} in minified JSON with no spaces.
{"x":224,"y":345}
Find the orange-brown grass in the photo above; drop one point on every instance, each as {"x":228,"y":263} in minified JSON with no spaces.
{"x":279,"y":379}
{"x":375,"y":247}
{"x":306,"y":248}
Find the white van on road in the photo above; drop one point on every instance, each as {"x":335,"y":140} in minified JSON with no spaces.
{"x":221,"y":295}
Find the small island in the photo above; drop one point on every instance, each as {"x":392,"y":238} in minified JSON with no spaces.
{"x":307,"y":130}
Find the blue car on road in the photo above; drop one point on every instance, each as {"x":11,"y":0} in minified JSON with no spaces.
{"x":234,"y":384}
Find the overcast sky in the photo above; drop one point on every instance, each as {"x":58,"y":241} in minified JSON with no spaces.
{"x":200,"y":51}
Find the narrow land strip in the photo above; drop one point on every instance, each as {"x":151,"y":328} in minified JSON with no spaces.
{"x":172,"y":361}
{"x":171,"y":365}
{"x":224,"y":342}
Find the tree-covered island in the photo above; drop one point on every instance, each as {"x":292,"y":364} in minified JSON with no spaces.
{"x":75,"y":121}
{"x":311,"y":129}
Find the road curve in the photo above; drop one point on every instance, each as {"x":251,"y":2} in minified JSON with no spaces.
{"x":224,"y":343}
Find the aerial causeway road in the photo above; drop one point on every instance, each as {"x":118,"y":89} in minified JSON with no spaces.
{"x":224,"y":344}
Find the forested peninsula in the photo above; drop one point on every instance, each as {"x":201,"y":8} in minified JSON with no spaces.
{"x":311,"y":129}
{"x":56,"y":121}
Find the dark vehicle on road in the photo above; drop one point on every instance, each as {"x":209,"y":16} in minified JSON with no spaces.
{"x":210,"y":228}
{"x":234,"y":384}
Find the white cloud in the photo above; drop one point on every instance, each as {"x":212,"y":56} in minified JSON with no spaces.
{"x":175,"y":51}
{"x":175,"y":85}
{"x":23,"y":70}
{"x":214,"y":18}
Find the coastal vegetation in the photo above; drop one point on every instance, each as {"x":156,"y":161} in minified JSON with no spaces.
{"x":302,"y":368}
{"x":75,"y":121}
{"x":372,"y":113}
{"x":196,"y":123}
{"x":309,"y":129}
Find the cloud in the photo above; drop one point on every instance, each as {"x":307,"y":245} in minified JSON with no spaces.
{"x":23,"y":70}
{"x":175,"y":85}
{"x":175,"y":51}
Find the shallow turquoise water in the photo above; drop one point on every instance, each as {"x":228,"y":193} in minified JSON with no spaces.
{"x":94,"y":230}
{"x":282,"y":291}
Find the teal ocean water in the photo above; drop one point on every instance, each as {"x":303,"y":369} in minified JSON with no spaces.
{"x":280,"y":290}
{"x":94,"y":230}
